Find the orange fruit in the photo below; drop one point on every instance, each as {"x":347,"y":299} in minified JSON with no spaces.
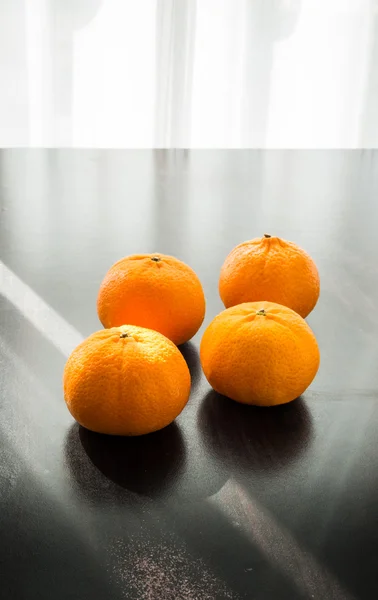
{"x":259,"y":353}
{"x":126,"y":381}
{"x":271,"y":269}
{"x":155,"y":291}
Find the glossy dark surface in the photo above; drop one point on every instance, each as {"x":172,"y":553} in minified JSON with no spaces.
{"x":230,"y":501}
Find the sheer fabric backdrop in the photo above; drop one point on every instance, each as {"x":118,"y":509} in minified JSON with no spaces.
{"x":189,"y":73}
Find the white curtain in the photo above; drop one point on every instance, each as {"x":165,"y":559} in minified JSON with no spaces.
{"x":189,"y":73}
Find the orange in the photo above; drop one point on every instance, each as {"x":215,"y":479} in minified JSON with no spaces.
{"x":259,"y":353}
{"x":155,"y":291}
{"x":126,"y":381}
{"x":272,"y":269}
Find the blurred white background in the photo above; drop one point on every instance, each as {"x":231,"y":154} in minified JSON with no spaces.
{"x":189,"y":73}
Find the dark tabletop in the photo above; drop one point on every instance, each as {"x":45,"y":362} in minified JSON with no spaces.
{"x":230,"y":501}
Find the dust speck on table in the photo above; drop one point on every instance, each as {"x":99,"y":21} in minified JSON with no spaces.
{"x":164,"y":571}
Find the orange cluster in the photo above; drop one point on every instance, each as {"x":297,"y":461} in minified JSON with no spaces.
{"x":131,"y":379}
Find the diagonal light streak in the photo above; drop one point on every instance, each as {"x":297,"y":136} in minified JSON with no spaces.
{"x":278,"y":545}
{"x":44,"y":318}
